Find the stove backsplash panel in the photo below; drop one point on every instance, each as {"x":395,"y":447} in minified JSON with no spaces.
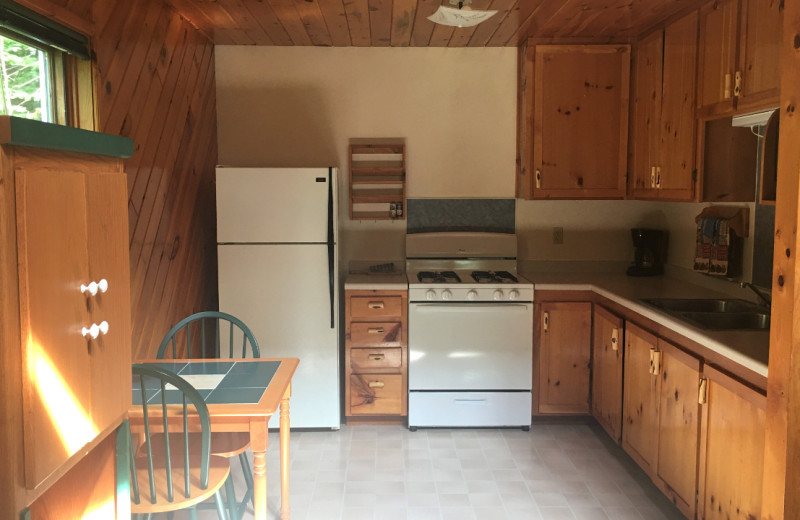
{"x":481,"y":215}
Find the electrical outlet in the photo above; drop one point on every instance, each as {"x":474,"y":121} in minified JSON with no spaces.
{"x":558,"y":235}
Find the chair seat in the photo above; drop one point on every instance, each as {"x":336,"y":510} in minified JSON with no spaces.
{"x":224,"y":444}
{"x":218,"y":472}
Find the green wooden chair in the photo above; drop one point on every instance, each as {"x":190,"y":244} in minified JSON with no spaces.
{"x":171,"y":472}
{"x":204,"y":335}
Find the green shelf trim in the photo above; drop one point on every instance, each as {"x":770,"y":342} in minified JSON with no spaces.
{"x":17,"y":131}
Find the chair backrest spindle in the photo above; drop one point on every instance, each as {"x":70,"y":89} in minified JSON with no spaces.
{"x":235,"y":328}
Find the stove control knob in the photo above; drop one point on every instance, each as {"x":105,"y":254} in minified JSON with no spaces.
{"x":446,"y":294}
{"x":431,"y":294}
{"x":513,"y":295}
{"x":472,"y":295}
{"x":498,"y":295}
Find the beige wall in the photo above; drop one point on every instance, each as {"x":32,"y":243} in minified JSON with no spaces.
{"x":456,"y":110}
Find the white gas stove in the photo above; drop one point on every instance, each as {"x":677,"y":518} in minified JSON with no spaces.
{"x":470,"y":330}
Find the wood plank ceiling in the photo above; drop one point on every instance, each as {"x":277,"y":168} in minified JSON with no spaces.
{"x":404,"y":23}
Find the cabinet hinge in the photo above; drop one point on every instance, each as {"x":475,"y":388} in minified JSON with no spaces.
{"x":737,"y":84}
{"x":655,"y":362}
{"x":702,"y":392}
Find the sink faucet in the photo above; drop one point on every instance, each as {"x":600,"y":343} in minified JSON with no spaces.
{"x":763,"y":297}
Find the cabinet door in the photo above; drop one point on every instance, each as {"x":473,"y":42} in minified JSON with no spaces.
{"x":760,"y":53}
{"x":580,"y":121}
{"x":678,"y":426}
{"x":53,"y":263}
{"x":607,"y":348}
{"x":646,"y":115}
{"x":109,"y":258}
{"x":731,"y":450}
{"x":564,"y":357}
{"x":675,"y":179}
{"x":640,"y":398}
{"x":718,"y":36}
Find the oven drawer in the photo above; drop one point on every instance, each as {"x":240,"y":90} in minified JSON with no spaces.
{"x":366,"y":359}
{"x":376,"y":306}
{"x":376,"y":333}
{"x":376,"y":394}
{"x":471,"y":409}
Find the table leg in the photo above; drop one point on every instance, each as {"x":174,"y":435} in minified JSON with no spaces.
{"x":284,"y":435}
{"x":259,"y":440}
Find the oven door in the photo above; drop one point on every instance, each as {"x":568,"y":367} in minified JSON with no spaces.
{"x":470,"y":346}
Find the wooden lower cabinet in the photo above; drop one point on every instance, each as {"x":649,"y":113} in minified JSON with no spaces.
{"x":661,"y":414}
{"x":607,"y":346}
{"x":376,"y":356}
{"x":731,"y":450}
{"x":564,"y":357}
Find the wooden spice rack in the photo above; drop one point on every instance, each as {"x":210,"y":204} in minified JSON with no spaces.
{"x":377,"y":181}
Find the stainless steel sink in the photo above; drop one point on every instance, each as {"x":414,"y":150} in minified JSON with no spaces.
{"x":729,"y":320}
{"x":716,"y":313}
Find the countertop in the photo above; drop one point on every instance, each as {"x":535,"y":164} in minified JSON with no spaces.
{"x":749,"y":348}
{"x":377,"y":281}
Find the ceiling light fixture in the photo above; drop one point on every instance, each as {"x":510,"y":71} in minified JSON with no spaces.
{"x":461,"y":16}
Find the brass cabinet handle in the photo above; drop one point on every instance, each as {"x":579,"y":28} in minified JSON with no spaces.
{"x":655,"y":362}
{"x":375,"y":305}
{"x":652,"y":176}
{"x":658,"y":177}
{"x":726,"y":93}
{"x":375,"y":330}
{"x":545,"y":321}
{"x":737,"y":84}
{"x":376,"y":384}
{"x":538,"y":178}
{"x":614,"y":339}
{"x":376,"y":357}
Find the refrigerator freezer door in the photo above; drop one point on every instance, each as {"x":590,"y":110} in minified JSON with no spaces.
{"x":282,"y":293}
{"x":274,"y":205}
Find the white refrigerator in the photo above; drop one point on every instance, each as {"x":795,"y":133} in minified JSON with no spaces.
{"x":278,"y":265}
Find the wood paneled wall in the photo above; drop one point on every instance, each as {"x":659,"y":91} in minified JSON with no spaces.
{"x":154,"y":83}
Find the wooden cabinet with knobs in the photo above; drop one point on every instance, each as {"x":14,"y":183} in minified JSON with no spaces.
{"x":731,"y":449}
{"x":739,"y":56}
{"x":376,"y":356}
{"x":661,"y":414}
{"x":65,"y":285}
{"x":664,"y":125}
{"x":564,"y":333}
{"x":607,"y":345}
{"x":573,"y":122}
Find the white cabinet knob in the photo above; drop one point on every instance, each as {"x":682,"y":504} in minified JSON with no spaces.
{"x":95,"y":330}
{"x":93,"y":287}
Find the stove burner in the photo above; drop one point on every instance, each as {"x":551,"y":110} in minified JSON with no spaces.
{"x":494,"y":277}
{"x":438,"y":277}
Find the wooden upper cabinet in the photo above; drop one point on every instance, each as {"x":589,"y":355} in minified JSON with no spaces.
{"x":760,"y":53}
{"x":663,"y":140}
{"x":579,"y":122}
{"x":565,"y":338}
{"x":739,"y":56}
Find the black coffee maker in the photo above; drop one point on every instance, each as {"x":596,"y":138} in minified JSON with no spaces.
{"x":650,"y":252}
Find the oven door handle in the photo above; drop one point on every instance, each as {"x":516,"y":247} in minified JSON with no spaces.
{"x":470,"y":307}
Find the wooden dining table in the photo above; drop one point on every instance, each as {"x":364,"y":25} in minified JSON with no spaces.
{"x":242,"y":395}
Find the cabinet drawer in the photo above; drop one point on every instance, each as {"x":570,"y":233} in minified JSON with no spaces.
{"x":376,"y":333}
{"x":375,"y":306}
{"x":376,"y":394}
{"x":365,"y":359}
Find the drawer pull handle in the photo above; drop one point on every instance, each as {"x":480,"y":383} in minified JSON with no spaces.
{"x":375,"y":305}
{"x":376,"y":384}
{"x":376,"y":357}
{"x":376,"y":330}
{"x":614,"y":339}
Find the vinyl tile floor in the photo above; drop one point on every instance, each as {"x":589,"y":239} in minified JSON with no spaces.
{"x":553,"y":471}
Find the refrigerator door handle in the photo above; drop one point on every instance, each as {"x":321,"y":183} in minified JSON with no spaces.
{"x":331,"y":248}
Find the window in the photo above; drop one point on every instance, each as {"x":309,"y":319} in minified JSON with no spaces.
{"x":44,"y":69}
{"x":27,"y":81}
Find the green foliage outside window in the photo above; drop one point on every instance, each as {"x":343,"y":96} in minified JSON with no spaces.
{"x":24,"y":89}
